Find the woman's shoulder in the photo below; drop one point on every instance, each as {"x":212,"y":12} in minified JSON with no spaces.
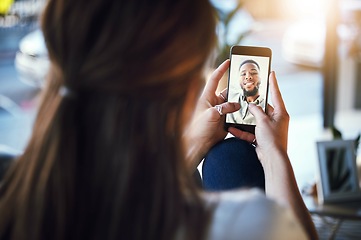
{"x":249,"y":214}
{"x":240,"y":205}
{"x":233,"y":195}
{"x":241,"y":199}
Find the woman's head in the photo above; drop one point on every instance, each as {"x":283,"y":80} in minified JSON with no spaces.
{"x":134,"y":47}
{"x":106,"y":161}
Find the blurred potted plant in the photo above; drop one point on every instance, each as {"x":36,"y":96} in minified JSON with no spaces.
{"x":226,"y":37}
{"x":224,"y":19}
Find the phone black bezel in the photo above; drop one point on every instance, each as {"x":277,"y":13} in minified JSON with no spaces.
{"x":250,"y":51}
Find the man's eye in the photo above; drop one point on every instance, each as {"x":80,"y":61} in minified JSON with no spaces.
{"x":243,"y":74}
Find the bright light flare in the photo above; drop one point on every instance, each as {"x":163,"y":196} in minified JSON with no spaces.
{"x":315,"y":9}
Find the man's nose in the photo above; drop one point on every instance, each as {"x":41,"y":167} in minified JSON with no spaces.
{"x":248,"y":76}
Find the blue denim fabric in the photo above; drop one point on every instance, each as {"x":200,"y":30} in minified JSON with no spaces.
{"x":230,"y":164}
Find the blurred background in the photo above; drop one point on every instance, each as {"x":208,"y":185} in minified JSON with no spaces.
{"x":316,"y":55}
{"x":316,"y":48}
{"x":18,"y":89}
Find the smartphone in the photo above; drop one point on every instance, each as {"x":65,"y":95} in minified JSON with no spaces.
{"x":247,"y":84}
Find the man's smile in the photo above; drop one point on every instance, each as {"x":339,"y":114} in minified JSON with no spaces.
{"x":248,"y":83}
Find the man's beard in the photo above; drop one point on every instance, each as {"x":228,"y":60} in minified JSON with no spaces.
{"x":251,"y":93}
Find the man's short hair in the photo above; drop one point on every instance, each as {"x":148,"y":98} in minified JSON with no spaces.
{"x":249,"y":61}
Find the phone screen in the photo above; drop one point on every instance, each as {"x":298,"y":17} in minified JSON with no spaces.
{"x":248,"y":83}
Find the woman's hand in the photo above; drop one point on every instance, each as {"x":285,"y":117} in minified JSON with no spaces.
{"x":272,"y":135}
{"x":206,"y":128}
{"x":271,"y":132}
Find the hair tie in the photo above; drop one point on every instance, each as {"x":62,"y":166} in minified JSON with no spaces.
{"x":65,"y":92}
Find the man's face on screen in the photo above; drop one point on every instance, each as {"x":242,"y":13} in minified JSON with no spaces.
{"x":249,"y":79}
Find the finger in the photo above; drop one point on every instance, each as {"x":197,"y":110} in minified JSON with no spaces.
{"x":227,"y":107}
{"x":270,"y":110}
{"x":213,"y":81}
{"x":257,"y":112}
{"x":230,"y":107}
{"x":249,"y":137}
{"x":276,"y":95}
{"x":223,"y":96}
{"x":224,"y":92}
